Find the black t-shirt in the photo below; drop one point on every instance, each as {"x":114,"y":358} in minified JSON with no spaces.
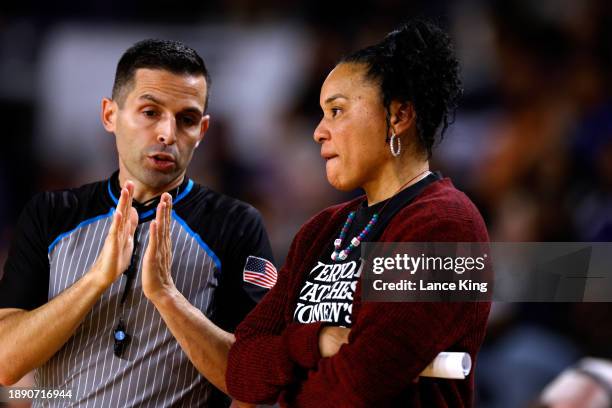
{"x":327,"y":293}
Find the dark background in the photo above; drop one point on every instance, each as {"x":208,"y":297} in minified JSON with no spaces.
{"x":531,"y":144}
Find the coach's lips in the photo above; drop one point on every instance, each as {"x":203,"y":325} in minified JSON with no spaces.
{"x":328,"y":155}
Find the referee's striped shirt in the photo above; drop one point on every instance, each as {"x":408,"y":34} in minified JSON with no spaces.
{"x":58,"y":238}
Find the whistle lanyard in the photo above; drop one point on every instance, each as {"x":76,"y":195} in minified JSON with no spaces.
{"x":120,"y":335}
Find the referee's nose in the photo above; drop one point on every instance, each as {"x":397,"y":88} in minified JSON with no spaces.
{"x":166,"y":131}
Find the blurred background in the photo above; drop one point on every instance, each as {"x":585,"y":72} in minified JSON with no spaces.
{"x":531,"y":143}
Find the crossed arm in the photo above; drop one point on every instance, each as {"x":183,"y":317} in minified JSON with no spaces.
{"x":389,"y":345}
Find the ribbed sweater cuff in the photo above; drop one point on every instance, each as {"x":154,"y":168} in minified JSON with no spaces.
{"x":302,"y":342}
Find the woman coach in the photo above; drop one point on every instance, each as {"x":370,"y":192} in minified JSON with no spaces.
{"x":312,"y":342}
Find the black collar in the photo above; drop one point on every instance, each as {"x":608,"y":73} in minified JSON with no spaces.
{"x":393,"y":205}
{"x":401,"y":199}
{"x":147,"y":209}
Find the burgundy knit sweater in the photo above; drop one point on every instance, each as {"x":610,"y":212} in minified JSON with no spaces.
{"x":276,"y":359}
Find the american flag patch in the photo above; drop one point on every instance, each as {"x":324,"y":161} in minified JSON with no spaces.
{"x":260,"y":272}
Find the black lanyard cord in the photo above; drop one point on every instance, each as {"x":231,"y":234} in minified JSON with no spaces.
{"x":131,"y":271}
{"x":120,"y":335}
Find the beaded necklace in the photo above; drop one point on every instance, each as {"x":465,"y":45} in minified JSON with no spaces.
{"x":341,"y":255}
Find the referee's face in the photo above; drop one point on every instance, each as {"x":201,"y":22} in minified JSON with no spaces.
{"x":157,"y":127}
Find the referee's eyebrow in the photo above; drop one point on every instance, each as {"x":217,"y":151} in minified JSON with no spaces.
{"x":153,"y":99}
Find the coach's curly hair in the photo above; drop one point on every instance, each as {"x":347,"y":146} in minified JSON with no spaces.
{"x":416,"y":63}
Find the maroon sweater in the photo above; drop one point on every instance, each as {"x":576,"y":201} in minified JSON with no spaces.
{"x":275,"y":358}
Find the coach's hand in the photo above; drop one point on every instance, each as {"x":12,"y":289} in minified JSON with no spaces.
{"x":156,"y":278}
{"x":331,"y":338}
{"x":116,"y":253}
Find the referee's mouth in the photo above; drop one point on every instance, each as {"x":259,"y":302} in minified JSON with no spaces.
{"x":162,"y":161}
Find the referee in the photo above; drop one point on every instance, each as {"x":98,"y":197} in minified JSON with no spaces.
{"x":81,"y":295}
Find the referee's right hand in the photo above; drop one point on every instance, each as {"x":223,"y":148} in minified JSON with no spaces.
{"x":69,"y":308}
{"x":116,"y":254}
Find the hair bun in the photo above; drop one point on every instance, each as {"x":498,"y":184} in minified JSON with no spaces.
{"x":416,"y":63}
{"x":409,"y":36}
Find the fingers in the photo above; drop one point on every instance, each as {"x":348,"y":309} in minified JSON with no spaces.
{"x":123,"y":198}
{"x":162,"y":226}
{"x":168,"y":224}
{"x":128,"y":191}
{"x":157,"y":226}
{"x":157,"y":275}
{"x":153,"y":233}
{"x":117,"y":220}
{"x":121,"y":210}
{"x":159,"y":235}
{"x":124,"y":206}
{"x":129,"y":187}
{"x":167,"y":199}
{"x":133,"y":221}
{"x":159,"y":230}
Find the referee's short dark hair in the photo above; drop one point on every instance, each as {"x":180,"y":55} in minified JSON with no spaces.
{"x":172,"y":56}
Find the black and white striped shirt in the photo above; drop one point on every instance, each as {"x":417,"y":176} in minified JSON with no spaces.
{"x":59,"y":236}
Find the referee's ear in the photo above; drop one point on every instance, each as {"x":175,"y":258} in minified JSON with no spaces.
{"x":108,"y":114}
{"x":203,"y":128}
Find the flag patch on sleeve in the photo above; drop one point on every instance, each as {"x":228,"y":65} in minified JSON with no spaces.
{"x":260,"y":272}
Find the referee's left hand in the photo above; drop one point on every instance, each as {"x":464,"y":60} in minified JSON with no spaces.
{"x":156,"y":278}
